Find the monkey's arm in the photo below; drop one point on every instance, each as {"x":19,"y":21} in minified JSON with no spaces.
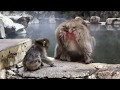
{"x":60,"y":43}
{"x":58,"y":52}
{"x":46,"y":59}
{"x":85,"y":42}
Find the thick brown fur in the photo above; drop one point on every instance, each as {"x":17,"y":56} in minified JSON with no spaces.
{"x":80,"y":20}
{"x":79,"y":46}
{"x":94,"y":19}
{"x":36,"y":55}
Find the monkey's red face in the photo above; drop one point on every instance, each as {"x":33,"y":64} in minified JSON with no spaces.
{"x":69,"y":34}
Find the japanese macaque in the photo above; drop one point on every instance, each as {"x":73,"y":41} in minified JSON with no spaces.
{"x":94,"y":19}
{"x":74,"y":42}
{"x":52,"y":19}
{"x":24,"y":21}
{"x":36,"y":55}
{"x":80,"y":20}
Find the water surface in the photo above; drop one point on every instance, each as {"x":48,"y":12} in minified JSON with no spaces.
{"x":107,"y":37}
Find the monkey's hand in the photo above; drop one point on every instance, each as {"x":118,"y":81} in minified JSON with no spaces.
{"x":52,"y":65}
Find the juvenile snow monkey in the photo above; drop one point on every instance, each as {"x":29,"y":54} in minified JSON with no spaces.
{"x":36,"y":55}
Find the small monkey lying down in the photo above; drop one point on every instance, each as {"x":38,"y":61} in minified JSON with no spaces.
{"x":36,"y":55}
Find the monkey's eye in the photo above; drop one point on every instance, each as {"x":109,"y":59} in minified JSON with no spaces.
{"x":44,"y":43}
{"x":74,"y":27}
{"x":66,"y":30}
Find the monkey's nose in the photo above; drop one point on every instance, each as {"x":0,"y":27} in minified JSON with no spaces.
{"x":70,"y":31}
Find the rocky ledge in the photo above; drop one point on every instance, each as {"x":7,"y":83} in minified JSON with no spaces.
{"x":65,"y":70}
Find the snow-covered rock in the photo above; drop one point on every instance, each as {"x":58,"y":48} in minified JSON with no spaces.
{"x":21,"y":19}
{"x":8,"y":23}
{"x":14,"y":17}
{"x":18,"y":26}
{"x":114,"y":21}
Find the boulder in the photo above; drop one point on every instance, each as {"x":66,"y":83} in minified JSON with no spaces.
{"x":113,"y":21}
{"x":67,"y":70}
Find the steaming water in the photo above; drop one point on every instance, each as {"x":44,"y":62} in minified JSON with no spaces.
{"x":107,"y":48}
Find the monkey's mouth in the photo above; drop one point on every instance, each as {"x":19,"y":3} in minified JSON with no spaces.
{"x":69,"y":35}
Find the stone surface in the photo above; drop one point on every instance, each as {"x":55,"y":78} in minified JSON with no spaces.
{"x":3,"y":74}
{"x":65,"y":70}
{"x":13,"y":51}
{"x":62,"y":70}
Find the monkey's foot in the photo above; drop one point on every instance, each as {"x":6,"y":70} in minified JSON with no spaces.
{"x":42,"y":64}
{"x":56,"y":57}
{"x":52,"y":65}
{"x":25,"y":69}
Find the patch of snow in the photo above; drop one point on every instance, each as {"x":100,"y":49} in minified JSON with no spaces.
{"x":22,"y":31}
{"x":1,"y":15}
{"x":103,"y":23}
{"x":18,"y":26}
{"x":16,"y":17}
{"x":7,"y":22}
{"x":86,"y":21}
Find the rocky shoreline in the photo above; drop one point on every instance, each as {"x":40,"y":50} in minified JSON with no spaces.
{"x":65,"y":70}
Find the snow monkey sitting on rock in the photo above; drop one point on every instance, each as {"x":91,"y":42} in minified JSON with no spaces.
{"x":74,"y":42}
{"x":36,"y":55}
{"x":80,"y":20}
{"x":95,"y":19}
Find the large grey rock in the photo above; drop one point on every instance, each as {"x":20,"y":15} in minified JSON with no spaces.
{"x":113,"y":21}
{"x":64,"y":70}
{"x":12,"y":51}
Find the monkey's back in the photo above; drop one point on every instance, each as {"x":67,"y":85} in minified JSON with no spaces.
{"x":32,"y":59}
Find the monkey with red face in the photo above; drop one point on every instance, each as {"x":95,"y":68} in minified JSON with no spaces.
{"x":74,"y":42}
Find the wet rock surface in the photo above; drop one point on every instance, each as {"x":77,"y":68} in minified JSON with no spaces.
{"x":67,"y":70}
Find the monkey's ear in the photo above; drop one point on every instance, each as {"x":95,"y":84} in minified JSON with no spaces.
{"x":47,"y":41}
{"x":44,"y":43}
